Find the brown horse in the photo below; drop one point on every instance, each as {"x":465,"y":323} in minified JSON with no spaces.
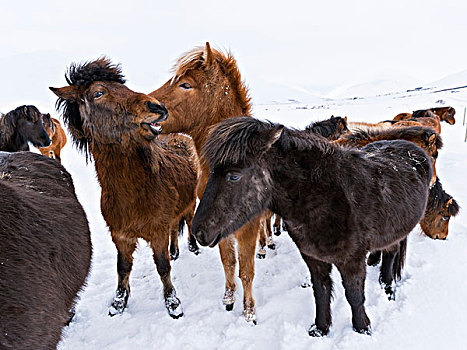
{"x":206,"y":88}
{"x":57,"y":135}
{"x":440,"y":207}
{"x":444,"y":113}
{"x":45,"y":250}
{"x":428,"y":119}
{"x":147,"y":186}
{"x":422,"y":136}
{"x":339,"y":202}
{"x":20,"y":126}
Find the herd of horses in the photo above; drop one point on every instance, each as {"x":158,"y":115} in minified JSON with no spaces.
{"x":348,"y":193}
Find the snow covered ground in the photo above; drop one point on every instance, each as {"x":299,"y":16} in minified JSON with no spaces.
{"x":431,"y":301}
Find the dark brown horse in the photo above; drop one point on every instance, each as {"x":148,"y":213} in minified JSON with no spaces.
{"x":57,"y":135}
{"x":424,"y":137}
{"x":45,"y":250}
{"x":340,"y":203}
{"x":147,"y":186}
{"x":444,"y":113}
{"x":205,"y":89}
{"x":20,"y":126}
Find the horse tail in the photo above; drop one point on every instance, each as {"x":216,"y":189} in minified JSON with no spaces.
{"x":399,"y":260}
{"x":181,"y":225}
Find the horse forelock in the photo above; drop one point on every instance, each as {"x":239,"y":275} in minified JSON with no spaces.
{"x":102,"y":69}
{"x":195,"y":59}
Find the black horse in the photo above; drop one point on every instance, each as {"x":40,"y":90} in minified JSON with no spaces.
{"x":21,"y":125}
{"x":330,"y":129}
{"x":338,"y":203}
{"x":45,"y":250}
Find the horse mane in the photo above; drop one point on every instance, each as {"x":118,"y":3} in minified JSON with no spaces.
{"x":237,"y":139}
{"x":437,"y":198}
{"x":196,"y":59}
{"x":82,"y":76}
{"x":405,"y":133}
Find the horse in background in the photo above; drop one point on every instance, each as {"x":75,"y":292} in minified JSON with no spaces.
{"x":20,"y":126}
{"x":335,"y":197}
{"x":444,"y":113}
{"x":428,"y":119}
{"x":56,"y":134}
{"x":147,"y":186}
{"x":206,"y":88}
{"x":424,"y":137}
{"x":45,"y":247}
{"x":439,"y":210}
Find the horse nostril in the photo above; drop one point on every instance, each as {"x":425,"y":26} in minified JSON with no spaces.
{"x":158,"y":108}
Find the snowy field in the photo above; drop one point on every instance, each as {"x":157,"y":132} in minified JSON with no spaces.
{"x":303,"y":61}
{"x":431,"y":301}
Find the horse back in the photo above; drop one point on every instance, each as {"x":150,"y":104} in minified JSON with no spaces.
{"x":46,"y":250}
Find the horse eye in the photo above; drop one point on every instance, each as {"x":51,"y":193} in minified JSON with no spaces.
{"x":233,"y":177}
{"x":98,"y":94}
{"x":445,"y":218}
{"x":185,"y":86}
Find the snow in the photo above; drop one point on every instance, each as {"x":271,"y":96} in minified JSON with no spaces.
{"x":428,"y":313}
{"x":303,"y":63}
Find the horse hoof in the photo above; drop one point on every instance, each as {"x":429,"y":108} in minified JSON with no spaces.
{"x":363,"y":330}
{"x":71,"y":314}
{"x":119,"y":303}
{"x":174,"y":254}
{"x":229,"y":299}
{"x":174,"y":306}
{"x":250,"y":315}
{"x":193,"y":248}
{"x":314,"y":331}
{"x":277,"y":231}
{"x":272,"y":246}
{"x":305,"y":285}
{"x":261,"y":255}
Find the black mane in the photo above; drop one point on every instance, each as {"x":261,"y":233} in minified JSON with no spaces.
{"x":82,"y":76}
{"x":437,"y":198}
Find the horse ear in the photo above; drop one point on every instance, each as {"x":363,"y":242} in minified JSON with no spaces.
{"x":208,"y":55}
{"x":345,"y":118}
{"x":69,"y":93}
{"x":432,"y":139}
{"x":449,"y":202}
{"x":273,"y":135}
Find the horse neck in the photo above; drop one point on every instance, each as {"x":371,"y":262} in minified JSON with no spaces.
{"x":116,"y":165}
{"x":296,"y":171}
{"x":16,"y":142}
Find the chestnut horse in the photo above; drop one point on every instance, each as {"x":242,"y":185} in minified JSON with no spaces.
{"x":340,"y":202}
{"x":444,"y":113}
{"x":428,"y":119}
{"x":206,"y":88}
{"x":45,"y":250}
{"x":147,"y":186}
{"x":57,"y":135}
{"x":20,"y":126}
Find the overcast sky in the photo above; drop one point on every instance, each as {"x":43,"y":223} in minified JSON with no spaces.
{"x":314,"y":44}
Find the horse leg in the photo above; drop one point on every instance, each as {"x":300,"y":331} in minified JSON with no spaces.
{"x":374,"y":258}
{"x":262,"y":240}
{"x":229,"y":261}
{"x":247,"y":237}
{"x":125,"y":249}
{"x":192,"y":244}
{"x":353,"y":278}
{"x":277,"y":225}
{"x":161,"y":258}
{"x":322,"y":289}
{"x":173,"y":250}
{"x":386,"y":272}
{"x":270,"y":240}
